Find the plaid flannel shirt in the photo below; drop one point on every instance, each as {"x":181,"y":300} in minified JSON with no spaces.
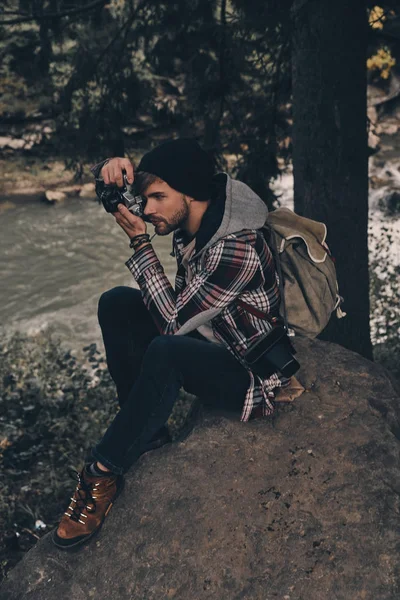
{"x":238,"y":266}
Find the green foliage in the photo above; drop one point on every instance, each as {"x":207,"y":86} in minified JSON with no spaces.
{"x":217,"y":70}
{"x":13,"y":91}
{"x":52,"y":411}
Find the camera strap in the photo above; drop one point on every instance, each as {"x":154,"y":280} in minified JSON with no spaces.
{"x":254,"y":311}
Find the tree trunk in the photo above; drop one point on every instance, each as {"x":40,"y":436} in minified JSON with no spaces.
{"x":330,"y":149}
{"x":45,"y":52}
{"x":215,"y":110}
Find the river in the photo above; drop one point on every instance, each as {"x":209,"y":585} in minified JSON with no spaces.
{"x":58,"y":259}
{"x":56,"y":262}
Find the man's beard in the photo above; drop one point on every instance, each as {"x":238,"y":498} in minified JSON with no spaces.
{"x":176,"y":221}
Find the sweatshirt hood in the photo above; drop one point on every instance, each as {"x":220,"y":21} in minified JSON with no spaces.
{"x":235,"y":207}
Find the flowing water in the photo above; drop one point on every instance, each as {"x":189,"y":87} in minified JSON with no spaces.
{"x":56,"y":262}
{"x":58,"y":259}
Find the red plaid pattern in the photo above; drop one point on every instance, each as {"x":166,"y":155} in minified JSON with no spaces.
{"x":237,"y":266}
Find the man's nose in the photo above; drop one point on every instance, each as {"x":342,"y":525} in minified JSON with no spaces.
{"x":149,"y":209}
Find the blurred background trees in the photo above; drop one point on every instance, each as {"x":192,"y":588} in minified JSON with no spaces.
{"x":127,"y":70}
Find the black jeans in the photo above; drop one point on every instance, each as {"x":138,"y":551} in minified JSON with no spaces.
{"x":149,"y":369}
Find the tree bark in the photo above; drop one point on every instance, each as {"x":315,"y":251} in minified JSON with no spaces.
{"x":46,"y":51}
{"x":330,"y":147}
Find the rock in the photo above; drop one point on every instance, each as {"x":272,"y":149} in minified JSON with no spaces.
{"x":302,"y":506}
{"x":377,"y":182}
{"x":372,"y":115}
{"x":53,"y":196}
{"x":14,"y":143}
{"x":390,"y":129}
{"x":373,"y":130}
{"x":27,"y":141}
{"x":390,"y":203}
{"x":375,"y":95}
{"x":71,"y":191}
{"x":389,"y":126}
{"x":373,"y":141}
{"x":87,"y":191}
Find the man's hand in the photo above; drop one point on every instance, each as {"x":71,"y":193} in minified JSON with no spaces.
{"x":131,"y":224}
{"x":112,"y":171}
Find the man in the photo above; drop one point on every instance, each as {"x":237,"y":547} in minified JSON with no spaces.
{"x":159,"y":339}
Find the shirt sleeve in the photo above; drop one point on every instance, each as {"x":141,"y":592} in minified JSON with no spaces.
{"x":95,"y":170}
{"x":230,"y":267}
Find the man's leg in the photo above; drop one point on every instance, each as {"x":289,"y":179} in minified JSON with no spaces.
{"x":127,"y":329}
{"x":202,"y":368}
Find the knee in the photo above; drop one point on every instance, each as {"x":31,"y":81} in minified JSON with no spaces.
{"x":161,"y":350}
{"x":114,"y":304}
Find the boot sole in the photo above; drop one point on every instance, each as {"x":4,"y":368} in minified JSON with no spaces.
{"x":90,"y":535}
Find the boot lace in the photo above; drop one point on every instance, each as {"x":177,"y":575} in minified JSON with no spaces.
{"x":83,"y":499}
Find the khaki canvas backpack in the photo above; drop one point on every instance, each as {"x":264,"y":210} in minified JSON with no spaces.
{"x":307,"y":274}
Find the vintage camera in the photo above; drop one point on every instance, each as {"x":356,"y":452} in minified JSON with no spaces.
{"x":111,"y":196}
{"x":271,"y":353}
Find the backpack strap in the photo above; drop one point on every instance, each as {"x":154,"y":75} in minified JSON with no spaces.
{"x":258,"y":313}
{"x":255,"y":311}
{"x":277,"y":260}
{"x":275,"y":254}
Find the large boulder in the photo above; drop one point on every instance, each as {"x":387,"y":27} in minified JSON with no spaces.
{"x":303,"y":506}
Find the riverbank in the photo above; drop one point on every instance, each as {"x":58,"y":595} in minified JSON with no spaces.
{"x":27,"y":177}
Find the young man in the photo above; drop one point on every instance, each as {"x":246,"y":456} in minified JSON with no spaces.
{"x":159,"y":339}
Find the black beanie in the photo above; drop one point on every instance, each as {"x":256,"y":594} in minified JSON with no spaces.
{"x":184,"y":165}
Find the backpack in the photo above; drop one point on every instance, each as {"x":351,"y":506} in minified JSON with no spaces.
{"x":306,"y":270}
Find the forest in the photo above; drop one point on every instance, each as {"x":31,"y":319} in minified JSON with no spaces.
{"x":302,"y":87}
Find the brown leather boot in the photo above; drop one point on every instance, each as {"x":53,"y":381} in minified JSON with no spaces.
{"x":90,"y":504}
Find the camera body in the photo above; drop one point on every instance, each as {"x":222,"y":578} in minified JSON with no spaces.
{"x":273,"y":353}
{"x":110,"y":196}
